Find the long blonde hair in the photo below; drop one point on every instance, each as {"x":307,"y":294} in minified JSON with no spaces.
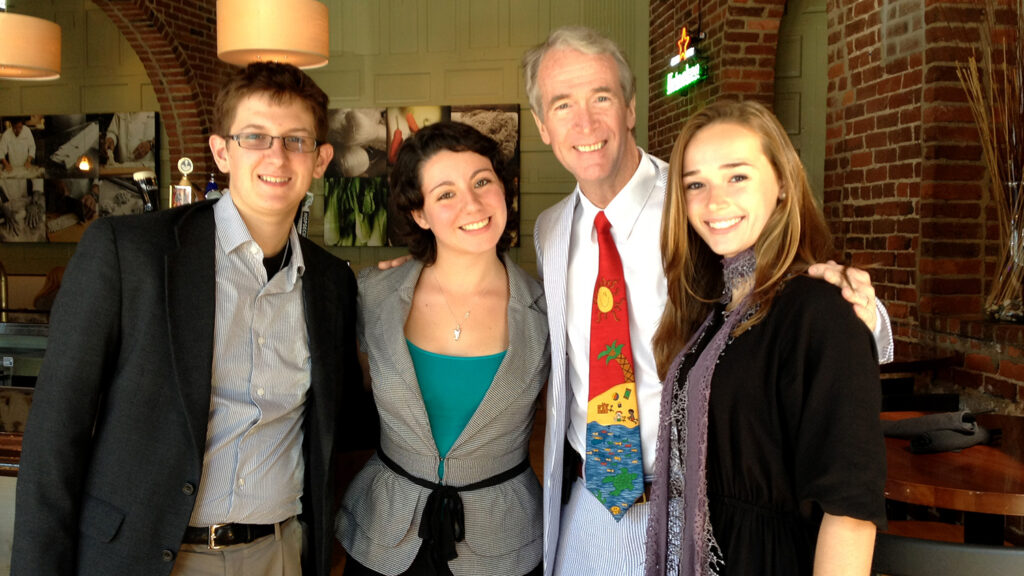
{"x":794,"y":237}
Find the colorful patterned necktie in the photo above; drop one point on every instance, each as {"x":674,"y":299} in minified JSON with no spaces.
{"x":613,"y":464}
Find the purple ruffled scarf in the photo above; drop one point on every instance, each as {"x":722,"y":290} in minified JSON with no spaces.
{"x":680,"y":540}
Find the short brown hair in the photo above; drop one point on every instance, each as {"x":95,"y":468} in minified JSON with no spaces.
{"x":279,"y":82}
{"x":406,"y":194}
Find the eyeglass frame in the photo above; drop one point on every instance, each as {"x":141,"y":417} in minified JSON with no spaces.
{"x":284,"y":142}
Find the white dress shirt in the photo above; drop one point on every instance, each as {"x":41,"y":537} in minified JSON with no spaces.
{"x":635,"y":216}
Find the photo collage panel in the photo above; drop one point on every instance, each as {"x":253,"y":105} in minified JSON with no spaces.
{"x":58,"y":173}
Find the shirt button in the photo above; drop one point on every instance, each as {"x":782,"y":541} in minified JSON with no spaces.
{"x":254,"y":249}
{"x":241,"y":481}
{"x":259,"y":392}
{"x":188,"y":489}
{"x":167,"y":555}
{"x":260,"y":340}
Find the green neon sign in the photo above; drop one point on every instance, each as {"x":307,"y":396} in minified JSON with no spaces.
{"x":693,"y":70}
{"x":693,"y":73}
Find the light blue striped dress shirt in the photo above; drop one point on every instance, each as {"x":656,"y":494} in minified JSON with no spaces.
{"x":253,"y":467}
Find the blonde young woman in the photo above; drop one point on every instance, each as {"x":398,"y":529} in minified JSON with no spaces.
{"x":770,"y":456}
{"x":457,"y":341}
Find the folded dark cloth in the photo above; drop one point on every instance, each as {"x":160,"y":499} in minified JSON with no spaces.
{"x":947,"y":440}
{"x":962,"y":422}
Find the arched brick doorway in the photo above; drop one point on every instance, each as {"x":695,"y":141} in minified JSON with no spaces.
{"x":177,"y":43}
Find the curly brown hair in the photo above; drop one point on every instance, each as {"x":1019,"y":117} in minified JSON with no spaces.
{"x":407,"y":189}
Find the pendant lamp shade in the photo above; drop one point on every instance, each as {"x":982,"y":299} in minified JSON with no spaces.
{"x":29,"y":47}
{"x":290,"y":31}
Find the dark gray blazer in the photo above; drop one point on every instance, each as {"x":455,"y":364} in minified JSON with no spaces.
{"x":114,"y":444}
{"x":381,"y":511}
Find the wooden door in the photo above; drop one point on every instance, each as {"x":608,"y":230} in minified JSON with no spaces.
{"x":801,"y":82}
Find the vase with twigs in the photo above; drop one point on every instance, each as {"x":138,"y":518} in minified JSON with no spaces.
{"x":996,"y":100}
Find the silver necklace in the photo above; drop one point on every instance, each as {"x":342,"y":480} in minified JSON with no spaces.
{"x":457,"y":331}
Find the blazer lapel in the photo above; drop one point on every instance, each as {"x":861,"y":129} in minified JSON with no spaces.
{"x":393,"y":317}
{"x":515,"y":374}
{"x":556,"y":258}
{"x":318,"y":294}
{"x":191,"y":295}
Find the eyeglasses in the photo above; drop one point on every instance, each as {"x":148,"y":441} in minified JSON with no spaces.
{"x":253,"y":141}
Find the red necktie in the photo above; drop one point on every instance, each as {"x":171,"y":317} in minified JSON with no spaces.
{"x":613,"y":461}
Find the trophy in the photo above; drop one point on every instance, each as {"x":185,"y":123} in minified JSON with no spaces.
{"x":182,"y":193}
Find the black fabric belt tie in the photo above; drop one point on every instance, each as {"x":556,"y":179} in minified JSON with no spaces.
{"x":221,"y":535}
{"x":443,"y":521}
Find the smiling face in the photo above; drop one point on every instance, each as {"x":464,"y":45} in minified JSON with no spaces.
{"x":269,"y":184}
{"x":463,"y":203}
{"x":587,"y":121}
{"x":731,"y":188}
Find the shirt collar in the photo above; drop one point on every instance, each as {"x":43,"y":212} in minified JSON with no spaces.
{"x":624,"y":210}
{"x":233,"y":234}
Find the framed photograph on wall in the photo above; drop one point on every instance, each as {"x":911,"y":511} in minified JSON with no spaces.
{"x":355,"y":183}
{"x":60,"y":172}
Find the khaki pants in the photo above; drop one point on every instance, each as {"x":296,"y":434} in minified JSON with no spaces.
{"x":277,"y":555}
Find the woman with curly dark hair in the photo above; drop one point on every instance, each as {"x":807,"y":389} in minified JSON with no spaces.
{"x":457,"y":341}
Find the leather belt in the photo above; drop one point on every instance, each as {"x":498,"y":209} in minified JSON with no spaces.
{"x":643,"y":497}
{"x":221,"y":535}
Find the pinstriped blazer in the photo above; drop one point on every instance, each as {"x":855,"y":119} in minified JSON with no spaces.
{"x":551,"y":240}
{"x":379,"y":520}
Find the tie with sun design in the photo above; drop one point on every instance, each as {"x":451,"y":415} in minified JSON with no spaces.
{"x":613,"y":465}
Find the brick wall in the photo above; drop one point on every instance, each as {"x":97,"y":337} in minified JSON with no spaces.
{"x":874,"y":163}
{"x":739,"y":45}
{"x":905,"y":190}
{"x":906,"y":186}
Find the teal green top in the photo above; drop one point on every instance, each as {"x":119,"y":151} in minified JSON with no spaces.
{"x":452,"y":388}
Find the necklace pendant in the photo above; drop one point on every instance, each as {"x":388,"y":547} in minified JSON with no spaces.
{"x":457,"y":332}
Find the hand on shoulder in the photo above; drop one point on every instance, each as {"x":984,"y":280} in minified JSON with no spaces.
{"x":855,"y":285}
{"x":393,"y":263}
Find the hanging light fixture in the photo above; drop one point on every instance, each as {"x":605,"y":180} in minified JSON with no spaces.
{"x":290,"y":31}
{"x":29,"y":47}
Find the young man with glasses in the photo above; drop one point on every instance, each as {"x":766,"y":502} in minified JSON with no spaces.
{"x":189,"y":405}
